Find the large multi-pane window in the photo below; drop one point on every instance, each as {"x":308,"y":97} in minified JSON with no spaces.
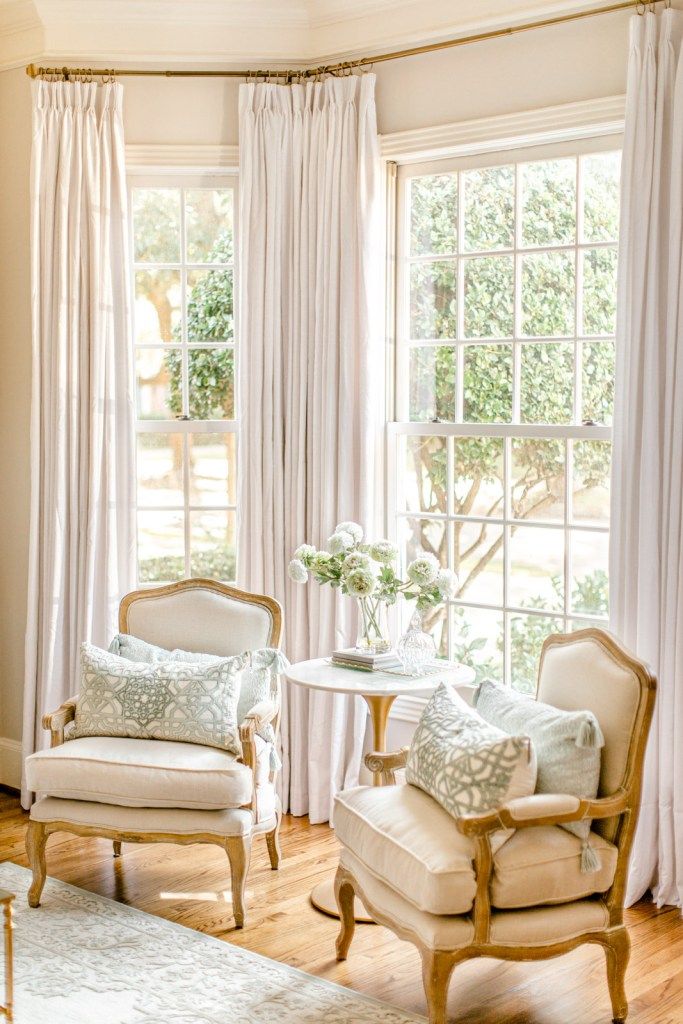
{"x":183,"y":324}
{"x":500,"y":456}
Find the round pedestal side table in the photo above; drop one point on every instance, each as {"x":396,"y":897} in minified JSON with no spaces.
{"x":379,"y":690}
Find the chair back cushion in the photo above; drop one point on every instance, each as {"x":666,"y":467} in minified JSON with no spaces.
{"x":202,"y":616}
{"x":589,"y":670}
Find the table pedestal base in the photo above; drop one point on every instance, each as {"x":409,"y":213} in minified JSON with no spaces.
{"x":322,"y":898}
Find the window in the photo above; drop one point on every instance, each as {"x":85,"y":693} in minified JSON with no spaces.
{"x":500,"y":456}
{"x":184,"y":333}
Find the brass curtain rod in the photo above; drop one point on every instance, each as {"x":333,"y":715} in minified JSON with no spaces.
{"x":342,"y":67}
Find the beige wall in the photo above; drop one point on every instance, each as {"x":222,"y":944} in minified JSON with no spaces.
{"x":15,"y":384}
{"x":541,"y":68}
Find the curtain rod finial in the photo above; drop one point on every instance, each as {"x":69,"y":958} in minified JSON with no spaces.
{"x":31,"y":71}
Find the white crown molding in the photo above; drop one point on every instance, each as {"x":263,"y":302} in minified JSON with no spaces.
{"x":584,"y":119}
{"x":252,"y":33}
{"x":141,"y":158}
{"x":21,"y":33}
{"x":10,"y":762}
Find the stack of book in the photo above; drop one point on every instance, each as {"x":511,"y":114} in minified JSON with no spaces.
{"x":351,"y":658}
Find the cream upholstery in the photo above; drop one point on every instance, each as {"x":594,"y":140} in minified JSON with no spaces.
{"x":200,"y":620}
{"x":145,"y":773}
{"x":584,"y":675}
{"x":408,"y":842}
{"x":508,"y":883}
{"x":81,"y":813}
{"x":538,"y":866}
{"x":535,"y":927}
{"x":135,"y":790}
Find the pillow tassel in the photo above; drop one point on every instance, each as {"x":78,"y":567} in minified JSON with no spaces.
{"x":589,"y":734}
{"x":590,"y":862}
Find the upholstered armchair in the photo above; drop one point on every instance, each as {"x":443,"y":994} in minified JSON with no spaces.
{"x":442,"y":884}
{"x":145,"y":791}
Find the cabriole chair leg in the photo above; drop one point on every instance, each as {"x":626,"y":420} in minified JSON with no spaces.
{"x":238,"y":849}
{"x":36,"y":838}
{"x":345,"y":896}
{"x":617,"y":952}
{"x":437,"y":968}
{"x":273,"y":842}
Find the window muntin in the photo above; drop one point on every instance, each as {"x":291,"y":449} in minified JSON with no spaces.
{"x":499,"y":459}
{"x":183,"y":241}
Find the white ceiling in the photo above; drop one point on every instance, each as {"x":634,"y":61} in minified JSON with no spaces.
{"x":251,"y":32}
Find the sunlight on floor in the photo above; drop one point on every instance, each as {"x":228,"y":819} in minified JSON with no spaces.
{"x":202,"y":897}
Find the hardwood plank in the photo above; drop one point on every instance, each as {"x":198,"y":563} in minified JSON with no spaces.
{"x":191,"y":886}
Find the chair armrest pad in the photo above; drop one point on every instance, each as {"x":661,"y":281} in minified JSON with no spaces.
{"x":262,"y":713}
{"x":542,"y":809}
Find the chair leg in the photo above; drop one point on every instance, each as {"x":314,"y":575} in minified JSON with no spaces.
{"x":117,"y":847}
{"x":436,"y":974}
{"x":238,"y":849}
{"x":36,"y":838}
{"x":617,"y":948}
{"x":273,"y":841}
{"x":345,"y":896}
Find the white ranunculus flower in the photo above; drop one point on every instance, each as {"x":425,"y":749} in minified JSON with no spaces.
{"x":446,"y":582}
{"x":361,"y":583}
{"x":423,"y":570}
{"x":384,"y":551}
{"x":297,"y":571}
{"x":354,"y":529}
{"x":304,"y":551}
{"x":319,"y":560}
{"x":355,"y":560}
{"x":340,"y":541}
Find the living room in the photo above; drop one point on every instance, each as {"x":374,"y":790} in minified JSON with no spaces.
{"x":342,"y":572}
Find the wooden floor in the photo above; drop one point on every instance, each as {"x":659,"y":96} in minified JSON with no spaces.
{"x":190,"y":885}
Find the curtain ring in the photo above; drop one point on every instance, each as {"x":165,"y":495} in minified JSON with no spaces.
{"x":641,"y":8}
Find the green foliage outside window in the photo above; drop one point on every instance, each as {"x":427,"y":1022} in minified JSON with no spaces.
{"x":547,"y":296}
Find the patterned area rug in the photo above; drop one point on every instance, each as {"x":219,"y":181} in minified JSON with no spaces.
{"x":84,"y":959}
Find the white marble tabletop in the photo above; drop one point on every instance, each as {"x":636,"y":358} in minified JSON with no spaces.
{"x":321,"y":674}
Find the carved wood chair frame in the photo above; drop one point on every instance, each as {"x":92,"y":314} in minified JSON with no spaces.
{"x":437,"y":965}
{"x":238,"y":848}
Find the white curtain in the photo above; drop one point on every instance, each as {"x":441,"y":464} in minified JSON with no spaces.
{"x":81,"y":537}
{"x":311,"y":391}
{"x":646,"y":556}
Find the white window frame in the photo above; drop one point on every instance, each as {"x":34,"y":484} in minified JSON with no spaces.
{"x":402,"y":427}
{"x":163,"y":178}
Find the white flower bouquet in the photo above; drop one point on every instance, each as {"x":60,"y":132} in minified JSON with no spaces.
{"x":365,"y":570}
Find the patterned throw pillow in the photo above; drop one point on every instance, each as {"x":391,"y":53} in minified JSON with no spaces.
{"x":258,"y":679}
{"x":465,"y":764}
{"x":164,"y":701}
{"x":567,"y":745}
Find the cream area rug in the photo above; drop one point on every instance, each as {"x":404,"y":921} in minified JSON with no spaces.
{"x":84,"y":959}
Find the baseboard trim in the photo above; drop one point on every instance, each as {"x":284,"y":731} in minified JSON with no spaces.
{"x":10,"y":763}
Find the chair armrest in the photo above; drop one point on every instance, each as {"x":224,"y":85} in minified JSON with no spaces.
{"x":55,"y":722}
{"x":262,"y":713}
{"x":386,"y":764}
{"x":542,"y":809}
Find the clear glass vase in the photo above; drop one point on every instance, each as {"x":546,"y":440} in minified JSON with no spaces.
{"x":416,"y":648}
{"x":373,"y":626}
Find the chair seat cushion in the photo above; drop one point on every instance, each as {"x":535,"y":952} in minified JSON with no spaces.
{"x":408,"y":842}
{"x":542,"y":865}
{"x":144,"y":773}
